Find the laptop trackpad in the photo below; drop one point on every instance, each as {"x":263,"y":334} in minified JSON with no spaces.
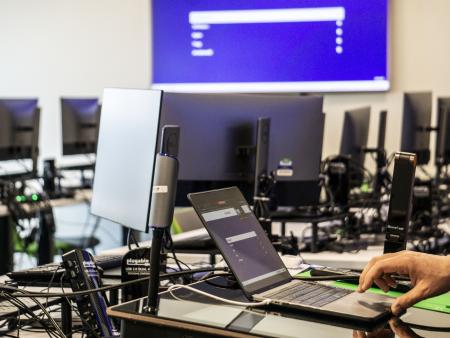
{"x":361,"y":305}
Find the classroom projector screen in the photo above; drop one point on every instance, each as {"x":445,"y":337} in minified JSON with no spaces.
{"x":270,"y":45}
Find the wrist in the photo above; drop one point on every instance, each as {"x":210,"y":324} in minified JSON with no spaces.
{"x":447,"y":261}
{"x":446,"y":270}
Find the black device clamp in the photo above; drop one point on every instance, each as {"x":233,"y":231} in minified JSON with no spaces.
{"x":164,"y":190}
{"x":161,"y":215}
{"x":400,"y":204}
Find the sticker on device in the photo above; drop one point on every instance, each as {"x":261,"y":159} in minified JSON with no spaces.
{"x":160,"y":189}
{"x":285,"y":167}
{"x":285,"y":172}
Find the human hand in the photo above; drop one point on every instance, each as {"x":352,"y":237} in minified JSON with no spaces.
{"x":396,"y":329}
{"x":429,"y":274}
{"x":380,"y":333}
{"x":401,"y":329}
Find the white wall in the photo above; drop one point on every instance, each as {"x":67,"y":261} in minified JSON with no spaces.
{"x":50,"y":48}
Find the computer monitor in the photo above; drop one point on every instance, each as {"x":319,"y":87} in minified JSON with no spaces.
{"x":416,"y":125}
{"x":80,"y":119}
{"x":443,"y":134}
{"x":381,"y":160}
{"x":354,"y":141}
{"x":262,"y":152}
{"x":126,"y":153}
{"x":217,"y":142}
{"x":19,"y":129}
{"x":381,"y":139}
{"x":270,"y":45}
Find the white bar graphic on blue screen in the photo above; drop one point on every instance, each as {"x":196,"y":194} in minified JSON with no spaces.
{"x":267,"y":15}
{"x":219,"y":214}
{"x":202,"y":52}
{"x":241,"y":237}
{"x":202,"y":20}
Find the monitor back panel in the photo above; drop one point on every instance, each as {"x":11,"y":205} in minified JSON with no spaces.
{"x":218,"y":135}
{"x":80,"y":119}
{"x":126,"y":155}
{"x":416,"y":119}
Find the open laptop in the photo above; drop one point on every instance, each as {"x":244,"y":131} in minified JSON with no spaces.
{"x":260,"y":271}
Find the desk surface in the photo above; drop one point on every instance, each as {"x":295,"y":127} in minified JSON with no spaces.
{"x":347,"y":260}
{"x":195,"y":313}
{"x":325,"y":258}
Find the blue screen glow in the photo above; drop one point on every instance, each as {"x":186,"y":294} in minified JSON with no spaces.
{"x":270,"y":45}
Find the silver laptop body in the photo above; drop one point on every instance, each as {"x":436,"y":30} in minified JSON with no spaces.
{"x":260,"y":271}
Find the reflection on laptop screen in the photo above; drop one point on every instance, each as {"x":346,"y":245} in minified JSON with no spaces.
{"x":241,"y":239}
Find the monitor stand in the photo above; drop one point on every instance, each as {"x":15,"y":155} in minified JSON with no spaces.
{"x":7,"y":244}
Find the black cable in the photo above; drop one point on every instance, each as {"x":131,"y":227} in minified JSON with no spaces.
{"x":9,"y":335}
{"x":234,"y":283}
{"x":168,"y":245}
{"x":47,"y":201}
{"x":26,"y":311}
{"x":27,"y":294}
{"x":42,"y":205}
{"x":178,"y":261}
{"x":359,"y":166}
{"x":50,"y":283}
{"x":134,"y":239}
{"x":3,"y":323}
{"x":129,"y":239}
{"x":390,"y":160}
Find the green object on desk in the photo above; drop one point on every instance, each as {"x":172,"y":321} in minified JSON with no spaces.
{"x":176,"y":227}
{"x":365,"y":187}
{"x":439,"y":303}
{"x":32,"y":249}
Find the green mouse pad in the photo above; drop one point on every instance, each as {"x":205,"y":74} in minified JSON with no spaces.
{"x":439,"y":303}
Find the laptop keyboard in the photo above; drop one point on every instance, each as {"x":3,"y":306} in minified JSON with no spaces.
{"x":311,"y":294}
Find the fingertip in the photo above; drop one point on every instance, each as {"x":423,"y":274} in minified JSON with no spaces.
{"x":397,"y":310}
{"x":361,"y":288}
{"x":394,"y":321}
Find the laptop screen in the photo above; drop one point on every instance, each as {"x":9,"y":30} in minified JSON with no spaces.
{"x":240,"y":238}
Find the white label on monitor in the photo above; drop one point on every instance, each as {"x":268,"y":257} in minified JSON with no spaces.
{"x":245,"y":209}
{"x":285,"y":172}
{"x":160,"y":189}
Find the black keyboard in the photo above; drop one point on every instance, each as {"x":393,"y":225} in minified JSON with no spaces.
{"x":107,"y":262}
{"x":52,"y":272}
{"x":305,"y":293}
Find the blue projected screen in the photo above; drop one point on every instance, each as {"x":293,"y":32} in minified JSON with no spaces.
{"x":270,"y":45}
